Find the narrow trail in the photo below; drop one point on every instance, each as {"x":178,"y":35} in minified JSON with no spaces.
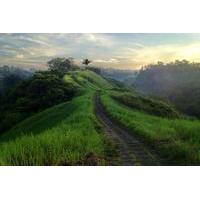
{"x":131,"y":151}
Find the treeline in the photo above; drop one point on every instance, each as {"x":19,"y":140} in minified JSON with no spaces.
{"x":178,"y":82}
{"x":10,"y":76}
{"x":43,"y":89}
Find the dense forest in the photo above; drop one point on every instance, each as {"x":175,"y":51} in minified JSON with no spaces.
{"x":177,"y":82}
{"x":10,"y":76}
{"x":24,"y":93}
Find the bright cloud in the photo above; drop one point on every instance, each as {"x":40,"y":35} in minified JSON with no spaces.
{"x":107,"y":50}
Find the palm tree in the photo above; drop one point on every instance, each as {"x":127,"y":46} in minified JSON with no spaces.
{"x":86,"y":62}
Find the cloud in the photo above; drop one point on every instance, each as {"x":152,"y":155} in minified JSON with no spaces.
{"x":112,"y":50}
{"x":29,"y":39}
{"x":20,"y":56}
{"x":98,"y":39}
{"x":137,"y":57}
{"x":111,"y":60}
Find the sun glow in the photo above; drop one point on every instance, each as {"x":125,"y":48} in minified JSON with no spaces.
{"x":128,"y":51}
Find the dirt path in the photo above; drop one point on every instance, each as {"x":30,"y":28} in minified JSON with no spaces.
{"x":131,"y":151}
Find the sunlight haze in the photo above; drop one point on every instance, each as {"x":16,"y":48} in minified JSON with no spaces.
{"x":124,"y":51}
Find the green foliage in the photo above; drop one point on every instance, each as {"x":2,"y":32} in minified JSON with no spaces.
{"x":177,"y":82}
{"x":61,"y":65}
{"x":65,"y":134}
{"x":69,"y":81}
{"x":40,"y":121}
{"x":147,"y":105}
{"x":62,"y":135}
{"x":178,"y":140}
{"x":11,"y":76}
{"x":95,"y":79}
{"x":42,"y":90}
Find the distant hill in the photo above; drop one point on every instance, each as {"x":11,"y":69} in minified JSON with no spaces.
{"x":10,"y":76}
{"x":177,"y":82}
{"x":126,"y":76}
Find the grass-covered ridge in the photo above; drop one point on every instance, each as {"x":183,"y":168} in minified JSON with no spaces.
{"x":95,"y":79}
{"x":39,"y":122}
{"x":68,"y":133}
{"x":147,"y":105}
{"x":65,"y":134}
{"x":69,"y":81}
{"x":65,"y":137}
{"x":177,"y":139}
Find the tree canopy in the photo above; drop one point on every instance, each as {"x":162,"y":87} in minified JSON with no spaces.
{"x":86,"y":62}
{"x":177,"y":82}
{"x":61,"y":65}
{"x":44,"y":89}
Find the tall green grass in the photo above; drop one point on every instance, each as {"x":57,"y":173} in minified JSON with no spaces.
{"x":95,"y":79}
{"x":69,"y":81}
{"x":63,"y":135}
{"x":38,"y":123}
{"x":178,"y":140}
{"x":145,"y":104}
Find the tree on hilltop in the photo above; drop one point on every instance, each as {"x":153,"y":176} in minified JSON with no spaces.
{"x":61,"y":65}
{"x":86,"y":62}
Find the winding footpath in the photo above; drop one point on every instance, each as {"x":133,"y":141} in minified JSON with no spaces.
{"x":131,"y":151}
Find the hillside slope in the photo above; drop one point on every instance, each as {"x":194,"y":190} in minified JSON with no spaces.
{"x":66,"y":134}
{"x":175,"y":139}
{"x":70,"y":134}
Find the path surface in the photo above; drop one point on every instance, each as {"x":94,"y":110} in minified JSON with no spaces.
{"x":131,"y":151}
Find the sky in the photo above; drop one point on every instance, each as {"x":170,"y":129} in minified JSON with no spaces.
{"x":117,"y":50}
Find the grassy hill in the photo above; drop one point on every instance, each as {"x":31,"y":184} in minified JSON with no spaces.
{"x":70,"y":134}
{"x":66,"y":134}
{"x":144,"y":104}
{"x":176,"y":139}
